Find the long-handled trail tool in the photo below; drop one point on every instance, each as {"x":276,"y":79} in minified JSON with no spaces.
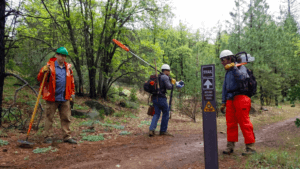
{"x":26,"y":143}
{"x":127,"y":49}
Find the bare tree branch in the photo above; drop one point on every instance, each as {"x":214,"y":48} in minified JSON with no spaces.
{"x":25,"y":84}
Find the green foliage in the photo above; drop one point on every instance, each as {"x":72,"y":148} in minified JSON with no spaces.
{"x":14,"y":115}
{"x":274,"y":43}
{"x":11,"y":65}
{"x":107,"y":124}
{"x":124,"y":133}
{"x":88,"y":131}
{"x":89,"y":122}
{"x":133,"y":95}
{"x":114,"y":126}
{"x":44,"y":150}
{"x":294,"y":94}
{"x":80,"y":117}
{"x":79,"y":107}
{"x":148,"y":123}
{"x":102,"y":114}
{"x":131,"y":115}
{"x":26,"y":158}
{"x":82,"y":134}
{"x":118,"y":114}
{"x":273,"y":159}
{"x":93,"y":137}
{"x":120,"y":89}
{"x":297,"y":122}
{"x":131,"y":105}
{"x":9,"y":98}
{"x":3,"y":142}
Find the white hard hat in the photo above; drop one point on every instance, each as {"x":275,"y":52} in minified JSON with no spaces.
{"x":165,"y":66}
{"x":225,"y":53}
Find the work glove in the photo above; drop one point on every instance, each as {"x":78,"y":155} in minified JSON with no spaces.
{"x":46,"y":68}
{"x":223,"y":108}
{"x":173,"y":81}
{"x":179,"y":84}
{"x":229,"y":66}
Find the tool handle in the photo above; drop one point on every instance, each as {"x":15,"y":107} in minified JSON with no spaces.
{"x":36,"y":104}
{"x":156,"y":74}
{"x":240,"y":64}
{"x":170,"y":103}
{"x":121,"y":45}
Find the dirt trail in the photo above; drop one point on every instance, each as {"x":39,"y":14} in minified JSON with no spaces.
{"x":182,"y":150}
{"x":140,"y":151}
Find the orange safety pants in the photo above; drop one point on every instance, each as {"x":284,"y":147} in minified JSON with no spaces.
{"x":237,"y":112}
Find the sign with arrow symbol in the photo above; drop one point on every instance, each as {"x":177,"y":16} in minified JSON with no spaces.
{"x":209,"y":116}
{"x":208,"y":84}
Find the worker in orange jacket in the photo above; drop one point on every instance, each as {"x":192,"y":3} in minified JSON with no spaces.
{"x":237,"y":104}
{"x":58,"y":91}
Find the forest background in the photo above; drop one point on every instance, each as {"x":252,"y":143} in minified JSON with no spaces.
{"x":86,"y":28}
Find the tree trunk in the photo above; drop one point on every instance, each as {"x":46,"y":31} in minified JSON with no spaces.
{"x":261,"y":96}
{"x":104,"y":88}
{"x":92,"y":75}
{"x":80,"y":79}
{"x":100,"y":83}
{"x":284,"y":94}
{"x":276,"y":100}
{"x":2,"y":52}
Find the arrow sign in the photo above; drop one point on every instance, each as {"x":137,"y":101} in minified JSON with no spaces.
{"x":207,"y":84}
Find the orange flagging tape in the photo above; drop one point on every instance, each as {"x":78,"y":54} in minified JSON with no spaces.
{"x":121,"y":45}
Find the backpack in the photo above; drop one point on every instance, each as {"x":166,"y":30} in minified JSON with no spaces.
{"x":151,"y":85}
{"x":252,"y":84}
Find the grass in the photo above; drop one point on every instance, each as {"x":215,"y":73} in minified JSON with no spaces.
{"x":88,"y":131}
{"x":274,"y":158}
{"x":79,"y":107}
{"x":3,"y":134}
{"x":3,"y":142}
{"x":43,"y":150}
{"x":124,"y":133}
{"x":93,"y":137}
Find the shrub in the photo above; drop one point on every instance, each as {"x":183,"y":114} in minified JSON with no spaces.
{"x":102,"y":114}
{"x":119,"y":114}
{"x":297,"y":122}
{"x":133,"y":95}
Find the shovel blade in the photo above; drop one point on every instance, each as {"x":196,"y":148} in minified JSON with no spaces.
{"x":25,"y":142}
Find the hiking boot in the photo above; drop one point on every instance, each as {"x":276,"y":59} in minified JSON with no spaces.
{"x":229,"y":149}
{"x":249,"y":150}
{"x":151,"y":133}
{"x":48,"y":140}
{"x":165,"y":133}
{"x":71,"y":141}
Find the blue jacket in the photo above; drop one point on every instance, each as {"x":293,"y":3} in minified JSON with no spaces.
{"x":233,"y":79}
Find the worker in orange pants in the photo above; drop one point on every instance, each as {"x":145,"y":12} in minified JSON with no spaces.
{"x":237,"y":104}
{"x":237,"y":112}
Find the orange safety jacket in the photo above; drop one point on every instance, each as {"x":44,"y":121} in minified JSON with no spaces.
{"x":50,"y":83}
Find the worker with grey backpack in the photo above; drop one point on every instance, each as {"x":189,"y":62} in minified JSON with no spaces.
{"x":238,"y":88}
